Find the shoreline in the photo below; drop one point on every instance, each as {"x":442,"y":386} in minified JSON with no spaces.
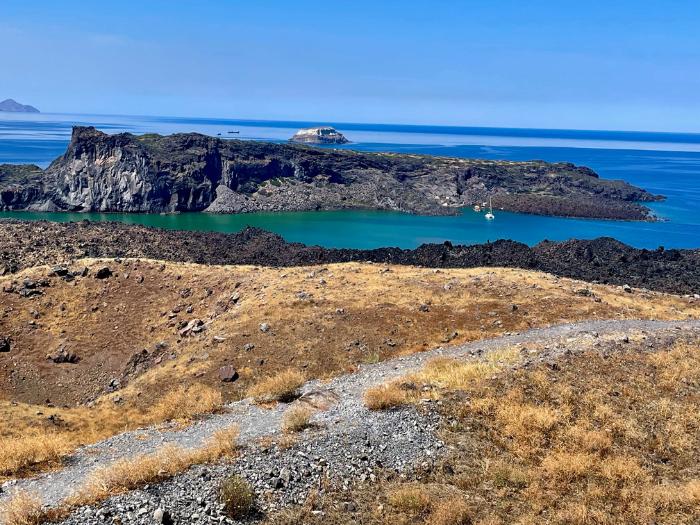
{"x":603,"y":260}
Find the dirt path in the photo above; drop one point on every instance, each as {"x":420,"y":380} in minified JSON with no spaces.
{"x":347,"y":417}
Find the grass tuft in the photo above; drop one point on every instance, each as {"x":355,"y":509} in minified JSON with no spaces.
{"x":237,"y":497}
{"x":297,"y":419}
{"x":282,"y":387}
{"x":452,"y":511}
{"x":129,"y":474}
{"x":22,"y":508}
{"x":387,"y":396}
{"x":410,"y":499}
{"x":43,"y":449}
{"x":186,"y":402}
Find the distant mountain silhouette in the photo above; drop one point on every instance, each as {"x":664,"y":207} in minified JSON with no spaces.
{"x":15,"y":107}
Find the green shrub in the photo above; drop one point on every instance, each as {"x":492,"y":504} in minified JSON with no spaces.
{"x":237,"y":497}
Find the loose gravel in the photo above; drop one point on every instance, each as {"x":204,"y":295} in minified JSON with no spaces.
{"x":347,"y":443}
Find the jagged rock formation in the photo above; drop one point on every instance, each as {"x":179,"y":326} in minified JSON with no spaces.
{"x":24,"y":244}
{"x":320,"y":135}
{"x":20,"y":185}
{"x":193,"y":172}
{"x":13,"y":106}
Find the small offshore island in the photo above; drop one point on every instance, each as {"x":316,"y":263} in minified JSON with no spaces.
{"x":12,"y":106}
{"x":190,"y":172}
{"x":319,"y":135}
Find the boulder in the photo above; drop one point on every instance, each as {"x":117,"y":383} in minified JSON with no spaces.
{"x":4,"y":344}
{"x":228,"y":374}
{"x":31,"y":288}
{"x":59,"y":271}
{"x":162,"y":516}
{"x":103,"y":273}
{"x":193,"y":327}
{"x":63,"y":356}
{"x":319,"y":399}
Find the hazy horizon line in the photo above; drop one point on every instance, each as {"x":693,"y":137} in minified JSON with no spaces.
{"x":358,"y":123}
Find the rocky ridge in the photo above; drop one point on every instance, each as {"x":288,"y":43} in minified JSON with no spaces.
{"x":193,"y":172}
{"x":24,"y":244}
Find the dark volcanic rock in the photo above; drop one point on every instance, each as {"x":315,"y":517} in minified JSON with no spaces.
{"x":21,"y":186}
{"x":4,"y":344}
{"x":103,"y":273}
{"x":192,"y":172}
{"x":604,"y":259}
{"x":63,"y":356}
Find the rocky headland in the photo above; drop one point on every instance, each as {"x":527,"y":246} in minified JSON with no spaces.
{"x":193,"y":172}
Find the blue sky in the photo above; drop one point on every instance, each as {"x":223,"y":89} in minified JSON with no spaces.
{"x":562,"y":64}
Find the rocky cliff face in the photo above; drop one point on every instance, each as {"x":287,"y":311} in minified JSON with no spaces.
{"x":192,"y":172}
{"x":20,"y":186}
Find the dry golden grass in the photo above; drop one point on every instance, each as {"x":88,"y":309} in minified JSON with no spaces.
{"x":40,"y":450}
{"x":386,"y":396}
{"x":223,"y":443}
{"x":286,"y":441}
{"x":410,"y":499}
{"x":22,"y":508}
{"x":445,"y":373}
{"x":601,"y":439}
{"x":338,"y":325}
{"x":279,"y":387}
{"x":583,"y":444}
{"x":452,"y":511}
{"x":296,"y":419}
{"x":128,"y":474}
{"x":455,"y":374}
{"x":186,"y":402}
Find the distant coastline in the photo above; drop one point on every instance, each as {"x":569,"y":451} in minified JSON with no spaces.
{"x":193,"y":172}
{"x":669,"y":168}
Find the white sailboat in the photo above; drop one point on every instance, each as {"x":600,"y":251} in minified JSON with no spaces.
{"x":490,"y":216}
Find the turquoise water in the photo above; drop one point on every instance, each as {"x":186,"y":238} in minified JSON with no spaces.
{"x":660,"y":162}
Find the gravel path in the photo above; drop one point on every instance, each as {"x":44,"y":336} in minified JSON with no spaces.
{"x":349,"y":441}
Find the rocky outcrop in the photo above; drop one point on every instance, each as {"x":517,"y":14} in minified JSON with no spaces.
{"x":21,"y":186}
{"x":24,"y":244}
{"x":13,"y":106}
{"x":320,"y":135}
{"x":193,"y":172}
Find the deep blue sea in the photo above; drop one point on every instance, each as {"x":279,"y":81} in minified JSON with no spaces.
{"x":665,"y":163}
